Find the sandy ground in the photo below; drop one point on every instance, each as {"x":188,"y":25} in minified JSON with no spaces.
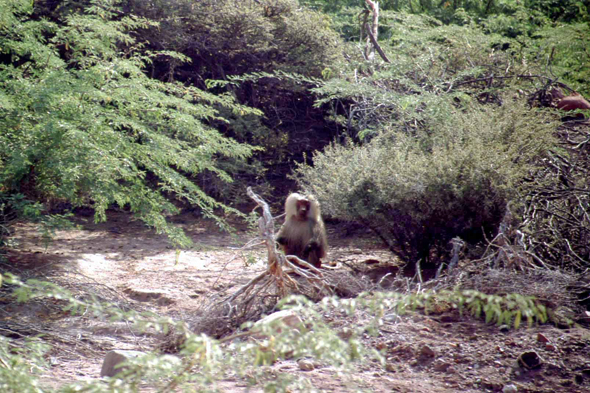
{"x":123,"y":261}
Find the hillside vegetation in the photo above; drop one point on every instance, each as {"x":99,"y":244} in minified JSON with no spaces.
{"x":438,"y":126}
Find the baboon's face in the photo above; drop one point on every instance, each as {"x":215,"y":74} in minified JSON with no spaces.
{"x":303,"y":206}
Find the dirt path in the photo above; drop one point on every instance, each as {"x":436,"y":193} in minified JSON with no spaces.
{"x":122,"y":260}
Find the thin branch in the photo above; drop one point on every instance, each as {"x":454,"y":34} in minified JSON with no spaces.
{"x":375,"y":44}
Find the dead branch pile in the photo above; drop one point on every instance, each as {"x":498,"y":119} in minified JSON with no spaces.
{"x":556,"y":219}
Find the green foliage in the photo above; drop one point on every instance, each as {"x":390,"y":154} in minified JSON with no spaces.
{"x":204,"y":361}
{"x":561,"y":10}
{"x":430,"y":63}
{"x":509,"y":309}
{"x":517,"y":22}
{"x":232,"y":38}
{"x":21,"y":364}
{"x":554,"y":10}
{"x":420,"y":191}
{"x":80,"y":120}
{"x":565,"y":47}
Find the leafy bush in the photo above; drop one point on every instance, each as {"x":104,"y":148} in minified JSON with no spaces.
{"x":418,"y":193}
{"x":80,"y":121}
{"x":21,"y":365}
{"x":432,"y":63}
{"x":229,"y":38}
{"x":567,"y":48}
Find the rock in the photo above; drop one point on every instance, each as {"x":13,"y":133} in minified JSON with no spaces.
{"x":114,"y":358}
{"x":286,"y":317}
{"x":306,"y":364}
{"x":426,"y":351}
{"x":510,"y":388}
{"x":148,"y":295}
{"x":542,"y":338}
{"x":440,"y":365}
{"x":551,"y":347}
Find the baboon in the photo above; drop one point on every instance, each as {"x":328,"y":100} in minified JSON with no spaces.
{"x":303,"y":234}
{"x":568,"y":103}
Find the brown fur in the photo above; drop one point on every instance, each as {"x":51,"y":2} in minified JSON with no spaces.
{"x":303,"y":234}
{"x":573,"y":102}
{"x":569,"y":103}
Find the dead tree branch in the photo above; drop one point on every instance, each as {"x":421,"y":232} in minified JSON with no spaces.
{"x":375,"y":44}
{"x":373,"y":31}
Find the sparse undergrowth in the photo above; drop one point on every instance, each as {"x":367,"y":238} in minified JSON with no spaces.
{"x":203,"y":359}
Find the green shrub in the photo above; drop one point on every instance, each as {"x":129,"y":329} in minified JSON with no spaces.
{"x":20,"y":365}
{"x":418,"y":193}
{"x":80,"y":121}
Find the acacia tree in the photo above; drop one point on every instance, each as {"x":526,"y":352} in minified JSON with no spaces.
{"x":80,"y":121}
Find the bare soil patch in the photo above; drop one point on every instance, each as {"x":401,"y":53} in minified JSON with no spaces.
{"x":125,"y":262}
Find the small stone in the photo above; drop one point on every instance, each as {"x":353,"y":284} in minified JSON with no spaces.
{"x":149,"y":295}
{"x":380,"y":346}
{"x":306,"y":364}
{"x":440,"y":365}
{"x":288,"y":318}
{"x":426,"y":351}
{"x":510,"y":388}
{"x":551,"y":347}
{"x":542,"y":338}
{"x":346,"y":333}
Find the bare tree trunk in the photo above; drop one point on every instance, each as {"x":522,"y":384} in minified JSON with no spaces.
{"x":372,"y":31}
{"x":369,"y":47}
